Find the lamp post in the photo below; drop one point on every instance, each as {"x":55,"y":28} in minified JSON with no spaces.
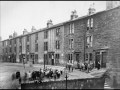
{"x":66,"y":77}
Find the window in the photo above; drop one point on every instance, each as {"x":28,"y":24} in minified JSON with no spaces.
{"x":70,"y":58}
{"x":36,"y":38}
{"x":3,"y":50}
{"x":10,"y":42}
{"x":36,"y":47}
{"x":71,"y":28}
{"x":71,"y":43}
{"x":89,"y":41}
{"x":6,"y":50}
{"x":27,"y":38}
{"x":3,"y":44}
{"x":36,"y":56}
{"x":89,"y":56}
{"x":28,"y":48}
{"x":45,"y":34}
{"x":20,"y":49}
{"x":88,"y":24}
{"x":10,"y":49}
{"x":15,"y":41}
{"x":57,"y":44}
{"x":45,"y":46}
{"x":20,"y":40}
{"x":57,"y":31}
{"x":57,"y":56}
{"x":91,"y":23}
{"x":14,"y":49}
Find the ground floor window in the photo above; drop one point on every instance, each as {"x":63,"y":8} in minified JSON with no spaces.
{"x":57,"y":57}
{"x":36,"y":57}
{"x":89,"y":57}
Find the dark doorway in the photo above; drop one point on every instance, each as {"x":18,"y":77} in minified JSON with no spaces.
{"x":104,"y":59}
{"x":52,"y":61}
{"x":77,"y":57}
{"x":97,"y":56}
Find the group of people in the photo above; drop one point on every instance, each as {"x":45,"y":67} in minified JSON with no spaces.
{"x":38,"y":76}
{"x":88,"y":66}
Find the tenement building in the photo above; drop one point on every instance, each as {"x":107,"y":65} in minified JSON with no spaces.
{"x":94,"y":37}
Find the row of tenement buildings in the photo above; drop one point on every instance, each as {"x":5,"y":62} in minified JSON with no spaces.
{"x":79,"y":39}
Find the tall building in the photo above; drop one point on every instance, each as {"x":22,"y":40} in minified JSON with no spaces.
{"x":112,"y":4}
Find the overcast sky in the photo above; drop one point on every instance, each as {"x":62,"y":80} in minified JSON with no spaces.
{"x":17,"y":15}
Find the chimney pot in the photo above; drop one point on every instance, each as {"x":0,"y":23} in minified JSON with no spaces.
{"x":49,"y":23}
{"x":74,"y":14}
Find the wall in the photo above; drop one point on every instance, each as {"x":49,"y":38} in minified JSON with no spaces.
{"x":40,"y":47}
{"x":107,"y":33}
{"x":90,"y":83}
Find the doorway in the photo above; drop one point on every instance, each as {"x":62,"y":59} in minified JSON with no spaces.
{"x":104,"y":59}
{"x":97,"y":56}
{"x":77,"y":57}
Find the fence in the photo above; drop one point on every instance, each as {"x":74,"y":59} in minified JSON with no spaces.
{"x":88,"y":83}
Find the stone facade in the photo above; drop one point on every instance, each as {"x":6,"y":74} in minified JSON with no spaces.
{"x":103,"y":47}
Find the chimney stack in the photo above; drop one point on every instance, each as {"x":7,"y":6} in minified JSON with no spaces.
{"x":49,"y":23}
{"x":91,"y":10}
{"x":25,"y":31}
{"x":14,"y":34}
{"x":74,"y":15}
{"x":33,"y":29}
{"x":10,"y":36}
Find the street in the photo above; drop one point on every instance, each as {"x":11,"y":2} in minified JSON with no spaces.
{"x":7,"y":69}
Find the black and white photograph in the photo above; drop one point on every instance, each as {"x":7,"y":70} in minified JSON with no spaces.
{"x":59,"y":44}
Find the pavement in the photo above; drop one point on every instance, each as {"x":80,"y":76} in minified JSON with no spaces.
{"x":76,"y":72}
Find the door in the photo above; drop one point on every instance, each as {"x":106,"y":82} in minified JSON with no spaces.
{"x":52,"y":58}
{"x":97,"y":58}
{"x":77,"y":57}
{"x":104,"y":57}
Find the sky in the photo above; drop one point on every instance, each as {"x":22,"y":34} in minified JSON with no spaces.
{"x":19,"y":15}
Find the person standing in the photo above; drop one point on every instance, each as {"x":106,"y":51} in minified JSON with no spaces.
{"x":98,"y":65}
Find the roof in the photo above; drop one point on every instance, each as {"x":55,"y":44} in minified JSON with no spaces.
{"x":60,"y":24}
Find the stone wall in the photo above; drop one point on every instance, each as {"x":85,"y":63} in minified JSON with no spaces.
{"x":90,"y":83}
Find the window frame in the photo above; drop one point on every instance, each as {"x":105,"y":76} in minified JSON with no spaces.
{"x":58,"y":31}
{"x":45,"y":34}
{"x":36,"y":47}
{"x":45,"y":46}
